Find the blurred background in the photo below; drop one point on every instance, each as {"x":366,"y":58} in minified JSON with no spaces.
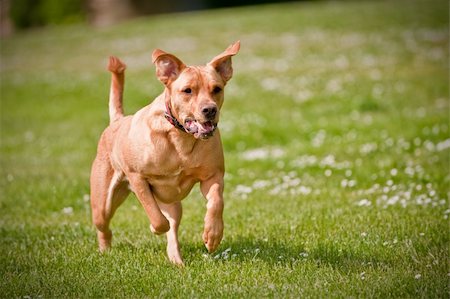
{"x":22,"y":14}
{"x":335,"y":130}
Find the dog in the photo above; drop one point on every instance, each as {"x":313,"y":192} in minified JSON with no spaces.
{"x":164,"y":149}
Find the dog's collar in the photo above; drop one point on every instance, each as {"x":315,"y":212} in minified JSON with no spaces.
{"x":169,"y":116}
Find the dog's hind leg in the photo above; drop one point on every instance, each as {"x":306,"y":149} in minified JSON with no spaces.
{"x":108,"y":191}
{"x":173,"y":213}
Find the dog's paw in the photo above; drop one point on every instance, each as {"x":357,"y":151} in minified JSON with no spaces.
{"x":104,"y":240}
{"x":177,"y":261}
{"x":174,"y":256}
{"x":212,"y":234}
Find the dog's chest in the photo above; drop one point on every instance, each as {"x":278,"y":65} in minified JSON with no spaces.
{"x":171,"y":173}
{"x":171,"y":185}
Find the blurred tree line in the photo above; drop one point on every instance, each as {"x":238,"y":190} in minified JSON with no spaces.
{"x":31,"y":13}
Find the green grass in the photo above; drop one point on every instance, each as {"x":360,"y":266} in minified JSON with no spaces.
{"x":336,"y":136}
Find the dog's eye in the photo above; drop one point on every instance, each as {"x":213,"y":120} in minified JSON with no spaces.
{"x":217,"y":89}
{"x":187,"y":90}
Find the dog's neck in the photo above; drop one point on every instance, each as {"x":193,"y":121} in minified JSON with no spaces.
{"x":183,"y":141}
{"x":169,"y":115}
{"x":187,"y":142}
{"x":172,"y":119}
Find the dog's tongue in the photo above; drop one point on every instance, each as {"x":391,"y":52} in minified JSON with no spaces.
{"x":205,"y":127}
{"x":200,"y":130}
{"x":204,"y":130}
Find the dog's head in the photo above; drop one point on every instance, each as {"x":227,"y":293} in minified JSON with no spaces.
{"x":195,"y":93}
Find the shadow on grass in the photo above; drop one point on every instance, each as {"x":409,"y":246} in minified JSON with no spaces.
{"x":324,"y":253}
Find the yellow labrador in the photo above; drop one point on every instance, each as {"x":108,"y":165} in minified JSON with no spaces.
{"x":164,"y":149}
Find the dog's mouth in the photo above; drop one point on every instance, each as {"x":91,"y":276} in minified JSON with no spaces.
{"x":200,"y":130}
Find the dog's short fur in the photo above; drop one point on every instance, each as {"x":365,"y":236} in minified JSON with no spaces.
{"x":164,"y":149}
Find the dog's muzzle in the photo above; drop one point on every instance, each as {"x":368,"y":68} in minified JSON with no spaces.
{"x":200,"y":130}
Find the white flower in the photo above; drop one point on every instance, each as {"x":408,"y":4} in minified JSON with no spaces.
{"x":328,"y":161}
{"x":443,"y":145}
{"x":67,"y":210}
{"x":261,"y":184}
{"x":319,"y":138}
{"x":243,"y":190}
{"x":304,"y":161}
{"x":368,"y":148}
{"x":304,"y":254}
{"x":10,"y":177}
{"x":262,"y":153}
{"x":364,"y":203}
{"x":393,"y":200}
{"x":334,"y":86}
{"x":362,"y":275}
{"x":304,"y":190}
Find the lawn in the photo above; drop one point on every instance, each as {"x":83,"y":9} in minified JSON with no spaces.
{"x":336,"y":138}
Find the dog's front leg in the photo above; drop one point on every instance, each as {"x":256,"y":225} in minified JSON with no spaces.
{"x":140,"y":186}
{"x":212,"y":189}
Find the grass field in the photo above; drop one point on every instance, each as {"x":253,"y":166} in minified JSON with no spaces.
{"x":336,"y":137}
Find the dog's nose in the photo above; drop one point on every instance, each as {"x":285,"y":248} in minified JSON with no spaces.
{"x":209,"y":111}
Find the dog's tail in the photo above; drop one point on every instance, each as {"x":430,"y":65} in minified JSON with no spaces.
{"x":117,"y":69}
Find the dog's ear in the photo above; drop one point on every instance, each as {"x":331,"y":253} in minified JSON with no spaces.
{"x":222,"y":62}
{"x":168,"y":67}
